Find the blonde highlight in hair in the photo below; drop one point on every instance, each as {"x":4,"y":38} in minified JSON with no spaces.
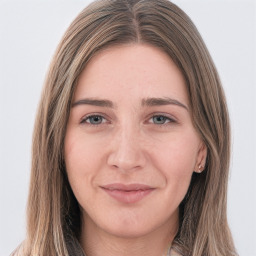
{"x":53,"y":213}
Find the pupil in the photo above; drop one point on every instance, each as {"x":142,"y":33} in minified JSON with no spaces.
{"x":159,"y":119}
{"x":96,"y":119}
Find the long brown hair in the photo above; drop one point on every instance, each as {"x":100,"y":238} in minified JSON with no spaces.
{"x":53,"y":212}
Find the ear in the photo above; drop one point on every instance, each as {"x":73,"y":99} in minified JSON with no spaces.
{"x":201,"y":158}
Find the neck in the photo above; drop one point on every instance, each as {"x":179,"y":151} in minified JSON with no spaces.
{"x":97,"y":242}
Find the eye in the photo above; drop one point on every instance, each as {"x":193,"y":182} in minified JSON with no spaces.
{"x":161,"y":119}
{"x":94,"y":120}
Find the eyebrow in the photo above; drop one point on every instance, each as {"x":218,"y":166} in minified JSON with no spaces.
{"x":150,"y":102}
{"x":94,"y":102}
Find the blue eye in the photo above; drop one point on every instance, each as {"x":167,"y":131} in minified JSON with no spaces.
{"x":94,"y":120}
{"x":160,"y":119}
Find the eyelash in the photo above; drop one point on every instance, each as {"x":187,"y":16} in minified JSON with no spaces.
{"x":166,"y":120}
{"x":84,"y":120}
{"x":165,"y":117}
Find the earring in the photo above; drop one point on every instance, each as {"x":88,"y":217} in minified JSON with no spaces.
{"x":200,"y":168}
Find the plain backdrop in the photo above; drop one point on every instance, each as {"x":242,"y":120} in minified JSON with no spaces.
{"x":29,"y":34}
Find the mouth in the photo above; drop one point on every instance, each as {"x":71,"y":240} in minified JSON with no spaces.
{"x":127,"y":194}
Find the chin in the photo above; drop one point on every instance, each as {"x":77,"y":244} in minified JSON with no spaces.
{"x":129,"y":231}
{"x":131,"y":226}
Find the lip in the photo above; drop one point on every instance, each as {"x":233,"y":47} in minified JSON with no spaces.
{"x":128,"y":194}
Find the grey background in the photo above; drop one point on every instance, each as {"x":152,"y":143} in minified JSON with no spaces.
{"x":29,"y":34}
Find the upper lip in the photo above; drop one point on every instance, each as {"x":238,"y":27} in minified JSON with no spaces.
{"x":127,"y":187}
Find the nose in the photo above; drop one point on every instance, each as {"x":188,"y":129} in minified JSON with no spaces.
{"x":127,"y":152}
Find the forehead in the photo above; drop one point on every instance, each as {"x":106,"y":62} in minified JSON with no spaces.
{"x":135,"y":71}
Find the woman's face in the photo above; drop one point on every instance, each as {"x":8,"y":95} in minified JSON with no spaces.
{"x":130,"y":146}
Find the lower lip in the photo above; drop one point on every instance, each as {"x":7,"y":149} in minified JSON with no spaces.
{"x":128,"y":197}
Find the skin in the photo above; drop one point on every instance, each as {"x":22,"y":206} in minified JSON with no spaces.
{"x":131,"y":140}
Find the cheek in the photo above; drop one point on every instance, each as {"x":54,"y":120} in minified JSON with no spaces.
{"x":178,"y":157}
{"x":176,"y":161}
{"x":80,"y":153}
{"x":81,"y":162}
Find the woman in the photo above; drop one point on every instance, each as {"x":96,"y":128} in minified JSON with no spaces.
{"x":131,"y":142}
